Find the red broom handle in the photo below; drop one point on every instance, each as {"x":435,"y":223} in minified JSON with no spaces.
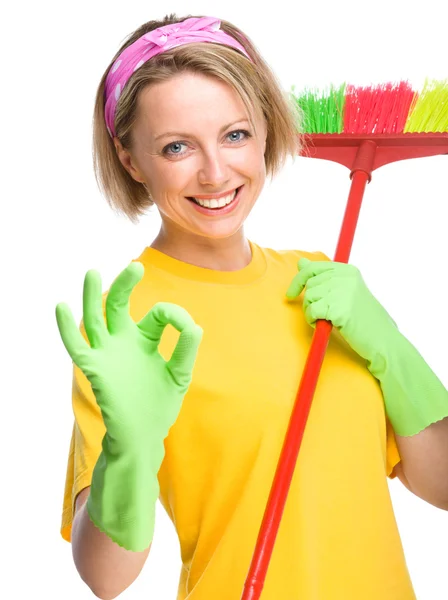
{"x":361,"y":174}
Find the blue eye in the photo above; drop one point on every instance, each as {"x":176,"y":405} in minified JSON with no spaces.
{"x":171,"y":146}
{"x":165,"y":151}
{"x":238,"y":131}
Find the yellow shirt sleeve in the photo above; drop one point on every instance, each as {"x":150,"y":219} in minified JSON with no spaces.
{"x":85,"y":445}
{"x":392,"y":454}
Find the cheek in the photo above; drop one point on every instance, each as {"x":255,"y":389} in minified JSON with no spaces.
{"x":251,"y":161}
{"x":260,"y":167}
{"x":171,"y":178}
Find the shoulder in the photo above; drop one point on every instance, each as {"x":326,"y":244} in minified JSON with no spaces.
{"x":294,"y":255}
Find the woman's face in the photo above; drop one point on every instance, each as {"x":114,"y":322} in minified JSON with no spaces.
{"x":192,"y":139}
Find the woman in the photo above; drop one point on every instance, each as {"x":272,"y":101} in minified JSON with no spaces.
{"x":190,"y":118}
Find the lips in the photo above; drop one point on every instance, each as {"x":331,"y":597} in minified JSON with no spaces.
{"x":214,"y":212}
{"x":216,"y":198}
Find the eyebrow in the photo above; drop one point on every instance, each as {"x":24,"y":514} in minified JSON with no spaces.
{"x":178,"y":133}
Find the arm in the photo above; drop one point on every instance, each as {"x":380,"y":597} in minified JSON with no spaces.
{"x":424,"y":463}
{"x":140,"y":396}
{"x":415,"y":399}
{"x":107,"y":568}
{"x":417,"y":405}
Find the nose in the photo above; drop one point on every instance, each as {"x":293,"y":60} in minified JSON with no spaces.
{"x":214,"y":169}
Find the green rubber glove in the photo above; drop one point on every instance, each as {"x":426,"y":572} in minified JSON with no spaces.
{"x":140,"y":396}
{"x":413,"y":395}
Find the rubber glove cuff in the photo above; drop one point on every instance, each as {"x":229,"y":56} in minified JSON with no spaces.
{"x":414,"y":396}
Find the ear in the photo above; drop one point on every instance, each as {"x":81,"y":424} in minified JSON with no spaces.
{"x":128,"y":162}
{"x":265,"y":133}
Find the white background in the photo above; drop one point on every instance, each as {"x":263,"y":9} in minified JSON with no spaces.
{"x":55,"y":226}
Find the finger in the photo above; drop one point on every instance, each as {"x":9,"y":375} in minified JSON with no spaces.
{"x":117,"y":300}
{"x":318,"y":280}
{"x":296,"y":286}
{"x":162,"y":313}
{"x":184,"y":356}
{"x":317,"y":310}
{"x":308,"y":270}
{"x":72,"y":338}
{"x":93,"y":318}
{"x":315,"y":294}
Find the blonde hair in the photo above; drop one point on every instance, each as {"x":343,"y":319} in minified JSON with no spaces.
{"x":255,"y":83}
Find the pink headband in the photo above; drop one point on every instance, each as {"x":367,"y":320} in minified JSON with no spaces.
{"x":206,"y":29}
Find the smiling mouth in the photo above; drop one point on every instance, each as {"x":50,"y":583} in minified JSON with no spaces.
{"x":235,"y":192}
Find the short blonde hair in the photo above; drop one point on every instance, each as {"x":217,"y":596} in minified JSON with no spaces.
{"x":255,"y":83}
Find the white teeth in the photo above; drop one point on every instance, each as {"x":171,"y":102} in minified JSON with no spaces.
{"x":214,"y":203}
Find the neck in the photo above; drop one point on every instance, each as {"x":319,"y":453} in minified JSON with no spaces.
{"x":227,"y":254}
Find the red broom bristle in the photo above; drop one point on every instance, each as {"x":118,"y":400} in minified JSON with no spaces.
{"x":383,"y":108}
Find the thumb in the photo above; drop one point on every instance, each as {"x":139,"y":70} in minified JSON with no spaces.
{"x":298,"y":283}
{"x":303,"y":262}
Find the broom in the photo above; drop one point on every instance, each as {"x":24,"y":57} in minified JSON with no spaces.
{"x":362,"y":128}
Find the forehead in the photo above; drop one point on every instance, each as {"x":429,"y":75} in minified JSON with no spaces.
{"x":187,"y":101}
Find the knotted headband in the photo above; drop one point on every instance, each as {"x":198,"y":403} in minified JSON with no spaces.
{"x":205,"y":29}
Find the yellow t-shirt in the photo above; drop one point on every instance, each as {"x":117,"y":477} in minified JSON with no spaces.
{"x":338,"y":538}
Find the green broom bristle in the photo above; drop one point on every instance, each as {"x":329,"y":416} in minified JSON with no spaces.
{"x":323,"y":111}
{"x":429,"y":110}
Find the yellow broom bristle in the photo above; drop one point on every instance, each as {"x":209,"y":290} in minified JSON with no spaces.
{"x":429,"y":109}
